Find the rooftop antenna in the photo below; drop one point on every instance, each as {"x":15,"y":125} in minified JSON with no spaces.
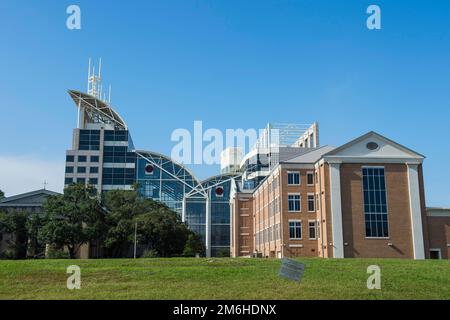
{"x":89,"y":74}
{"x":94,"y":81}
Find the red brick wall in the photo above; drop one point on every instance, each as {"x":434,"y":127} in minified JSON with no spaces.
{"x":399,"y":217}
{"x":439,"y":234}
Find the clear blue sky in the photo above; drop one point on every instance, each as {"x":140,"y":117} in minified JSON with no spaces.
{"x":232,"y":64}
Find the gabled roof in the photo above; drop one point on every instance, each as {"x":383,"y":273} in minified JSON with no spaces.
{"x":312,"y":156}
{"x":28,"y":195}
{"x":387,"y":148}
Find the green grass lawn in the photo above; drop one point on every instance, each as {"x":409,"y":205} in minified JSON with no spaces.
{"x":190,"y":278}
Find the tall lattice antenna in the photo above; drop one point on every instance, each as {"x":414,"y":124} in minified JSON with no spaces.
{"x":95,"y":87}
{"x":94,"y":80}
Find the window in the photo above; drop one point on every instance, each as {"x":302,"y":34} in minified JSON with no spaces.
{"x":375,"y":204}
{"x":81,"y":180}
{"x":293,"y":178}
{"x":94,"y":158}
{"x":435,"y":253}
{"x":93,"y":169}
{"x":89,"y":139}
{"x":295,"y":229}
{"x":70,"y":158}
{"x":311,"y":203}
{"x":68,"y":181}
{"x":293,"y":202}
{"x":317,"y":201}
{"x":82,"y":158}
{"x":316,"y":178}
{"x":116,"y":135}
{"x":69,"y":169}
{"x":312,"y":230}
{"x":81,"y":169}
{"x":310,"y":178}
{"x":93,"y":181}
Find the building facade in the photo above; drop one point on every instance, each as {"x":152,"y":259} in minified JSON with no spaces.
{"x":364,"y":199}
{"x":286,"y":197}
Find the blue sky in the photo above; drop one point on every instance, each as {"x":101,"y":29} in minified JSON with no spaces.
{"x":231,"y":64}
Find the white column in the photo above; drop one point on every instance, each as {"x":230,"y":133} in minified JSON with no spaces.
{"x":208,"y":228}
{"x":416,"y":212}
{"x":336,"y":210}
{"x":183,"y":209}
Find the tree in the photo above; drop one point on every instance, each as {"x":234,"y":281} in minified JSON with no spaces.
{"x":36,"y":247}
{"x":194,"y":245}
{"x":123,"y":206}
{"x":72,"y":219}
{"x":14,"y":223}
{"x":161,"y":229}
{"x":2,"y":194}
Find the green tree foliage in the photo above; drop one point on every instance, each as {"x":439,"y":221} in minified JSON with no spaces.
{"x":123,"y":206}
{"x":2,"y":194}
{"x":14,"y":224}
{"x":73,"y":218}
{"x":36,"y":245}
{"x":159,"y":228}
{"x":194,"y":245}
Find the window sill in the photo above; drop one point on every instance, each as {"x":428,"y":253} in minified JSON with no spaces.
{"x":377,"y":238}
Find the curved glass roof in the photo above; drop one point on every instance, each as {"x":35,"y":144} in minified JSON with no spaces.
{"x":170,"y":167}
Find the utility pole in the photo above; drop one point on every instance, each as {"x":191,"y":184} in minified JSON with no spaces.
{"x":135,"y":239}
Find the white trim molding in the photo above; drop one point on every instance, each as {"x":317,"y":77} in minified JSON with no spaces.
{"x":415,"y":210}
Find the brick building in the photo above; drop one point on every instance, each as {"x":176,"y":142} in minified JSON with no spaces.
{"x":363,"y":199}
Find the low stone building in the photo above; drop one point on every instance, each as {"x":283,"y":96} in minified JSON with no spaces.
{"x":31,"y":202}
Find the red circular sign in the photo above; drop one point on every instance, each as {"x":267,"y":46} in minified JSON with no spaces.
{"x":149,"y":168}
{"x":219,"y":191}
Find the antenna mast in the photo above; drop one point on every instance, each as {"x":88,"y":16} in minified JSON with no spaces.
{"x":95,"y":87}
{"x":94,"y":81}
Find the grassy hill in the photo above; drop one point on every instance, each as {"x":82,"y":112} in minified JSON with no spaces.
{"x":186,"y":278}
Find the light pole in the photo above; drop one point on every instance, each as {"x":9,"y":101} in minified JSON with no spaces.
{"x":135,"y":238}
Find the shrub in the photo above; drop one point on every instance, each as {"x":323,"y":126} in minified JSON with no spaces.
{"x":150,"y":254}
{"x":54,"y":253}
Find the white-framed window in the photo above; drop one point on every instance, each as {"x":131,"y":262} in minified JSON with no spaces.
{"x":311,"y":202}
{"x":294,"y":202}
{"x":295,"y":229}
{"x":293,"y":178}
{"x":312,"y":228}
{"x":310,"y":178}
{"x":317,"y":202}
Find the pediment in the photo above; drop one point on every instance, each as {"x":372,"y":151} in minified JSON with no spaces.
{"x":374,"y":145}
